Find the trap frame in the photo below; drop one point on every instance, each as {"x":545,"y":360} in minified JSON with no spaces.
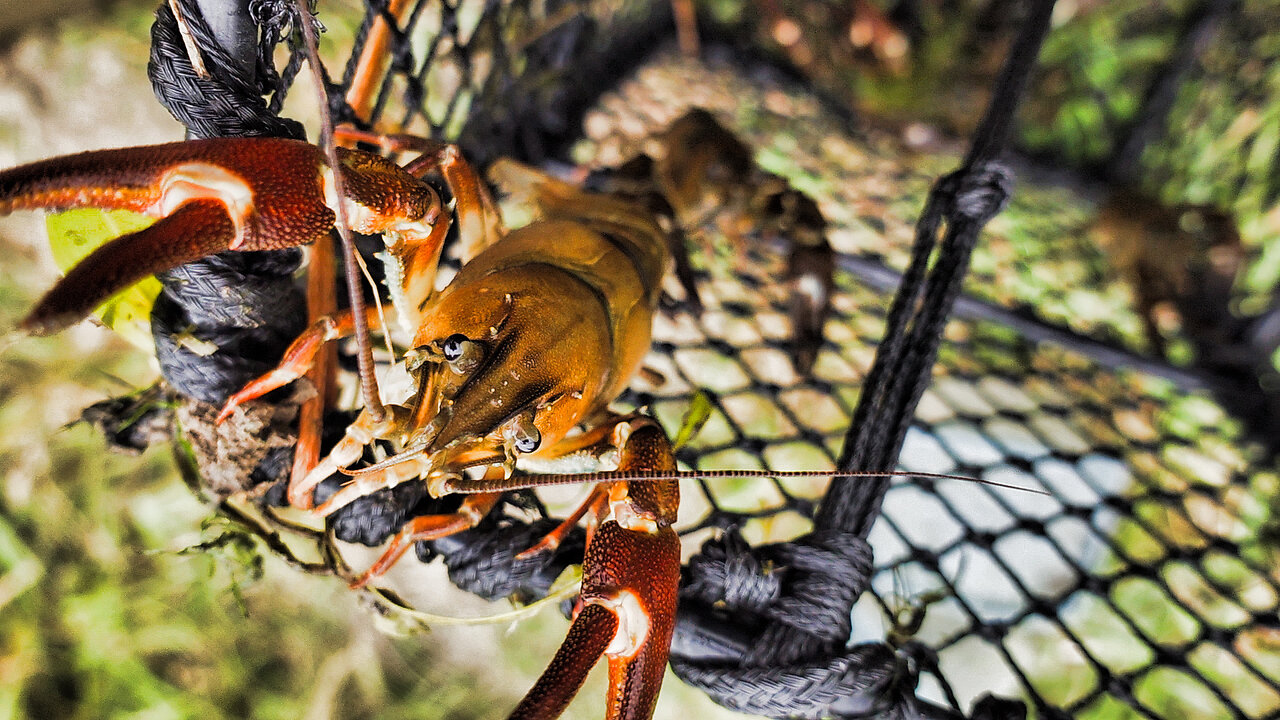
{"x":1143,"y":584}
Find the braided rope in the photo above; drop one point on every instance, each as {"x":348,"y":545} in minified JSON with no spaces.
{"x":244,"y":304}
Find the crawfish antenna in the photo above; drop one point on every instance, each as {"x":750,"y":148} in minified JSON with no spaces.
{"x":368,"y":381}
{"x":520,"y":482}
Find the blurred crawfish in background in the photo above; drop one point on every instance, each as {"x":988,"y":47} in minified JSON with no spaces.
{"x":1182,"y":262}
{"x":704,"y":174}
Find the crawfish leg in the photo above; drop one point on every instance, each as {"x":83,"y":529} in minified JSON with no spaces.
{"x":360,"y":433}
{"x":430,"y":527}
{"x":322,"y":301}
{"x":594,"y":504}
{"x":298,"y":358}
{"x":794,"y":216}
{"x":372,"y":67}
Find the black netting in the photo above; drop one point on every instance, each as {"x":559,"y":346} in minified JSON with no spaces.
{"x":1143,"y":583}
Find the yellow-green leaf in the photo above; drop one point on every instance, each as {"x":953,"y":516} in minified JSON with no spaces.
{"x":697,"y":415}
{"x":76,"y":233}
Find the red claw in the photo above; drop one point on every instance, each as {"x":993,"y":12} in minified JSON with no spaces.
{"x":628,"y":604}
{"x":213,"y":195}
{"x":190,"y":233}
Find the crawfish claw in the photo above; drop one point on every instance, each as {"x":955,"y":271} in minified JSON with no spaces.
{"x":629,"y":579}
{"x":213,"y":195}
{"x":190,"y":233}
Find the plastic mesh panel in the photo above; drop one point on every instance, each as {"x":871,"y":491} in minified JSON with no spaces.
{"x":1145,"y":579}
{"x":499,"y":77}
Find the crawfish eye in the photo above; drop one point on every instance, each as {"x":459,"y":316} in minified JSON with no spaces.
{"x":463,"y":355}
{"x":454,"y":346}
{"x":529,"y":443}
{"x":525,"y":437}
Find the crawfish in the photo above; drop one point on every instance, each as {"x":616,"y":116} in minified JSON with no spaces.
{"x":704,"y":171}
{"x":536,"y":335}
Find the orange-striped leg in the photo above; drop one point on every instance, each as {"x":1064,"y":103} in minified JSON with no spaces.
{"x":430,"y":527}
{"x":322,"y":302}
{"x":594,"y":504}
{"x":374,"y":60}
{"x":298,"y":358}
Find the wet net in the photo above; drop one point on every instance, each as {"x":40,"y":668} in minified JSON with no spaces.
{"x":1142,"y":583}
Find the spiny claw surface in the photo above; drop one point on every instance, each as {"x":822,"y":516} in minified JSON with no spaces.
{"x":192,"y":232}
{"x":629,"y":579}
{"x":214,"y":195}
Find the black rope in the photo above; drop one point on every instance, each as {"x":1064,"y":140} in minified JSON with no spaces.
{"x":789,"y":659}
{"x":225,"y":102}
{"x":244,"y":306}
{"x":483,"y":560}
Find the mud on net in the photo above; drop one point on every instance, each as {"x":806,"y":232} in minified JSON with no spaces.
{"x":1142,"y":584}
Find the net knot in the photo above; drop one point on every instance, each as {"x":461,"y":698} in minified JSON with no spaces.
{"x":792,"y":598}
{"x":763,"y":631}
{"x":243,"y":305}
{"x":823,"y":573}
{"x":870,"y":680}
{"x":977,"y":193}
{"x":726,"y":571}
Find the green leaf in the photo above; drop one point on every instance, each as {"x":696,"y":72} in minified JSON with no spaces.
{"x":76,"y":233}
{"x":696,"y":416}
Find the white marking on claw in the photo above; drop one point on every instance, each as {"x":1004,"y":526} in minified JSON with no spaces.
{"x":633,"y":623}
{"x":359,"y":218}
{"x":203,"y":181}
{"x":623,"y":512}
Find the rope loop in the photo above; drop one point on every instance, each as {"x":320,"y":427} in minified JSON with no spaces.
{"x":825,"y":572}
{"x":226,"y":99}
{"x":863,"y":682}
{"x":244,"y":305}
{"x":727,"y":573}
{"x":483,"y":560}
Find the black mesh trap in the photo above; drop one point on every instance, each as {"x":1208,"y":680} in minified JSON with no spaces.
{"x":1143,"y":583}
